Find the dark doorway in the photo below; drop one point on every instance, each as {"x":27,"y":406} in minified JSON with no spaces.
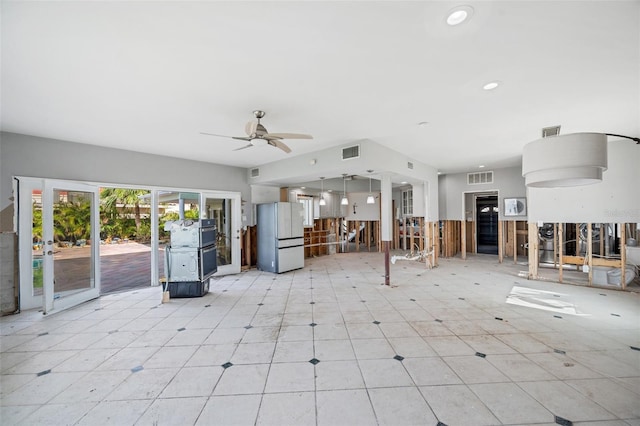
{"x":487,"y":220}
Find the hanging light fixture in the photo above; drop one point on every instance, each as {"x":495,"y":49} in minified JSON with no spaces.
{"x":322,"y":201}
{"x":370,"y":198}
{"x":566,"y":160}
{"x":345,"y":200}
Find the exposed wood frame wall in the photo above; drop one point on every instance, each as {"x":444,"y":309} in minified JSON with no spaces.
{"x":589,"y":260}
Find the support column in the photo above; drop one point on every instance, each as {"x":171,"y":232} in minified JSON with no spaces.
{"x":386,"y":222}
{"x":155,"y":241}
{"x":181,"y":208}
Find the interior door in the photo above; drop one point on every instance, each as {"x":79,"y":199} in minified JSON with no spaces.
{"x":71,"y":238}
{"x":225,"y":208}
{"x":487,"y":224}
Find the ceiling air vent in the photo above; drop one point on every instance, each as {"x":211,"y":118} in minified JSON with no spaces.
{"x":478,"y":178}
{"x":255,"y":172}
{"x":351,"y":152}
{"x":550,"y":131}
{"x":409,"y":165}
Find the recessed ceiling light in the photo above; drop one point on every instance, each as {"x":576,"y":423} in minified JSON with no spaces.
{"x":481,"y":166}
{"x":458,"y":15}
{"x":491,"y":85}
{"x":303,"y":187}
{"x":439,"y":173}
{"x":404,"y":182}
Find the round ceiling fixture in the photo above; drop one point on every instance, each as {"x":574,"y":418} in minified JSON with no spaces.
{"x":459,"y":14}
{"x":491,"y":85}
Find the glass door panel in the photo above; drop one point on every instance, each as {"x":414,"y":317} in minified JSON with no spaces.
{"x":225,"y":209}
{"x":31,"y":242}
{"x":71,"y":239}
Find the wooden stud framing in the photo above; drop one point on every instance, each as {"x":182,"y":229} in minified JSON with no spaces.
{"x":577,"y":239}
{"x":247,"y":247}
{"x":357,"y":236}
{"x":500,"y":241}
{"x":463,"y":239}
{"x":555,"y":244}
{"x":560,"y":249}
{"x":515,"y":242}
{"x":421,"y":233}
{"x":534,"y":250}
{"x":590,"y":252}
{"x":411,"y":236}
{"x":623,"y":256}
{"x":435,"y":236}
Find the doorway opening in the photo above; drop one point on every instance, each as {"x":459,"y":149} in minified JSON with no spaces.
{"x":487,"y":224}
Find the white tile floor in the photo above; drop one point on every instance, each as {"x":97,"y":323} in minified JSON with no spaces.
{"x":440,"y":345}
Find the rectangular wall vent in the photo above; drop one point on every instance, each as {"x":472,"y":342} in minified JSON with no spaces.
{"x":550,"y":131}
{"x":479,"y":178}
{"x":351,"y":152}
{"x":255,"y":172}
{"x":409,"y":165}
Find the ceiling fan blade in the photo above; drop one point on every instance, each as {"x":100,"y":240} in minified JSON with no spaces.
{"x":244,"y":147}
{"x":281,"y":145}
{"x":213,"y":134}
{"x":241,"y":138}
{"x":290,"y":136}
{"x":250,"y":127}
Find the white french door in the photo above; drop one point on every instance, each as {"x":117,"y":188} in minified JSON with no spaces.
{"x":59,"y":238}
{"x":225,"y":208}
{"x":71,"y":239}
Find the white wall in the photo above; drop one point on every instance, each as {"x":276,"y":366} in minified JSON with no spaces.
{"x":508,"y":182}
{"x":615,"y":199}
{"x":24,"y":155}
{"x":363,"y":210}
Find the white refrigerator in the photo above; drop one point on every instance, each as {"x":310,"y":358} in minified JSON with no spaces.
{"x":280,"y":236}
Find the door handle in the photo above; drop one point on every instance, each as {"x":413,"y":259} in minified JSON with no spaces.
{"x":49,"y":253}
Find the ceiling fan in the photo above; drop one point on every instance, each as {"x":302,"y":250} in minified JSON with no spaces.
{"x":258,"y":135}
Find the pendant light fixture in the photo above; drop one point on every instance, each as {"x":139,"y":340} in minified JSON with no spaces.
{"x":370,"y":199}
{"x":345,"y":200}
{"x":322,"y":201}
{"x":573,"y":159}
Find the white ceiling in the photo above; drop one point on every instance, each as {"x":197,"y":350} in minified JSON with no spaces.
{"x":150,"y":76}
